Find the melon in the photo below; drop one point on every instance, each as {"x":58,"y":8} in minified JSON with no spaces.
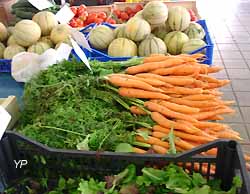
{"x":67,"y":41}
{"x":195,"y":31}
{"x":139,"y":15}
{"x":46,"y":20}
{"x":161,"y":31}
{"x":122,"y":47}
{"x":137,"y":29}
{"x":26,"y":33}
{"x":10,"y":30}
{"x":175,"y":41}
{"x":12,"y":50}
{"x":2,"y":47}
{"x":192,"y":45}
{"x":120,"y":31}
{"x":60,"y":33}
{"x":178,"y":18}
{"x":101,"y":36}
{"x":11,"y":40}
{"x":3,"y":32}
{"x":152,"y":45}
{"x":47,"y":40}
{"x":155,"y":12}
{"x":39,"y":48}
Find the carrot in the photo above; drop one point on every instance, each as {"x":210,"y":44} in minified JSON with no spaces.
{"x":163,"y":121}
{"x":152,"y":140}
{"x":177,"y":70}
{"x":205,"y":109}
{"x":139,"y":151}
{"x":199,"y":97}
{"x":159,"y":149}
{"x":197,"y":104}
{"x":155,"y":58}
{"x":183,"y":144}
{"x":217,"y":85}
{"x":137,"y":110}
{"x":213,"y":92}
{"x":181,"y":90}
{"x":167,"y":112}
{"x":207,"y":78}
{"x":197,"y":55}
{"x":228,"y":135}
{"x":178,"y":108}
{"x":174,"y":80}
{"x":213,"y":69}
{"x":216,"y":118}
{"x":146,"y":67}
{"x":212,"y":152}
{"x":130,"y":83}
{"x":205,"y":124}
{"x":137,"y":93}
{"x":186,"y":136}
{"x":206,"y":115}
{"x":246,"y":157}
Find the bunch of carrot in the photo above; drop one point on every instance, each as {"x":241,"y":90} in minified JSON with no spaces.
{"x":178,"y":93}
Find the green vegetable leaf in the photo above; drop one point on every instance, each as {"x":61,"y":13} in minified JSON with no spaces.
{"x":61,"y":183}
{"x":198,"y":180}
{"x":143,"y":134}
{"x":84,"y":145}
{"x":91,"y":187}
{"x":154,"y":175}
{"x":124,"y":147}
{"x":171,"y":139}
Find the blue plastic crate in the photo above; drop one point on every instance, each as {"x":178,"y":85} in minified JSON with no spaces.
{"x":102,"y":55}
{"x":5,"y":65}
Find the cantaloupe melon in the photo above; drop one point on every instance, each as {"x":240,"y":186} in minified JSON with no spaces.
{"x":175,"y":41}
{"x":137,"y":29}
{"x":122,"y":47}
{"x":46,"y":20}
{"x":120,"y":31}
{"x":161,"y":31}
{"x":60,"y":33}
{"x":11,"y":40}
{"x":10,"y":30}
{"x":39,"y":48}
{"x":47,"y":40}
{"x":178,"y":18}
{"x":101,"y":37}
{"x":67,"y":41}
{"x":195,"y":31}
{"x":3,"y":32}
{"x":152,"y":45}
{"x":155,"y":12}
{"x":26,"y":33}
{"x":192,"y":45}
{"x":12,"y":50}
{"x":2,"y":47}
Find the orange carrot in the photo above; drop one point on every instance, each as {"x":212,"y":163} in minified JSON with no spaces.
{"x":213,"y":69}
{"x":177,"y":70}
{"x":213,"y":92}
{"x":178,"y":108}
{"x":159,"y":149}
{"x":163,"y":121}
{"x":139,"y":151}
{"x":137,"y":93}
{"x":217,"y":85}
{"x":207,"y":78}
{"x":131,"y":83}
{"x":152,"y":140}
{"x":146,"y":67}
{"x":228,"y":135}
{"x":199,"y":97}
{"x":204,"y":125}
{"x":137,"y":110}
{"x":205,"y":115}
{"x":181,"y":90}
{"x":216,"y":118}
{"x":167,"y":112}
{"x":183,"y":135}
{"x":183,"y":144}
{"x":197,"y":104}
{"x":174,"y":80}
{"x":205,"y":109}
{"x":155,"y":58}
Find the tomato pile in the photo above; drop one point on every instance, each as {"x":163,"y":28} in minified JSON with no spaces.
{"x":127,"y":13}
{"x":83,"y":18}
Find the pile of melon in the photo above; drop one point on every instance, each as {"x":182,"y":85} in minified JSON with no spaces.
{"x":37,"y":35}
{"x":156,"y":29}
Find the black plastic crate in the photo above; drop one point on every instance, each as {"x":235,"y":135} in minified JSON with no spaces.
{"x":228,"y":162}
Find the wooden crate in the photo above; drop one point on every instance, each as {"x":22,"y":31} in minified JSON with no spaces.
{"x":11,"y":106}
{"x":190,"y":4}
{"x":105,"y":8}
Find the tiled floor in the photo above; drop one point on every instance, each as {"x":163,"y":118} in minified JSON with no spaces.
{"x":229,"y":25}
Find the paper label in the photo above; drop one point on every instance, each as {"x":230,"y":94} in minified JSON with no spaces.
{"x":4,"y":121}
{"x":80,"y":39}
{"x":63,"y":52}
{"x":64,"y":15}
{"x":41,"y":4}
{"x":80,"y":53}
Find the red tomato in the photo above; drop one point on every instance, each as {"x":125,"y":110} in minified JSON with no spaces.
{"x":83,"y":16}
{"x":124,"y":16}
{"x":117,"y":13}
{"x":81,"y":9}
{"x":128,"y":10}
{"x":79,"y":22}
{"x":138,"y":8}
{"x":131,"y":15}
{"x":73,"y":23}
{"x":99,"y":20}
{"x":74,"y":10}
{"x":102,"y":15}
{"x":111,"y":21}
